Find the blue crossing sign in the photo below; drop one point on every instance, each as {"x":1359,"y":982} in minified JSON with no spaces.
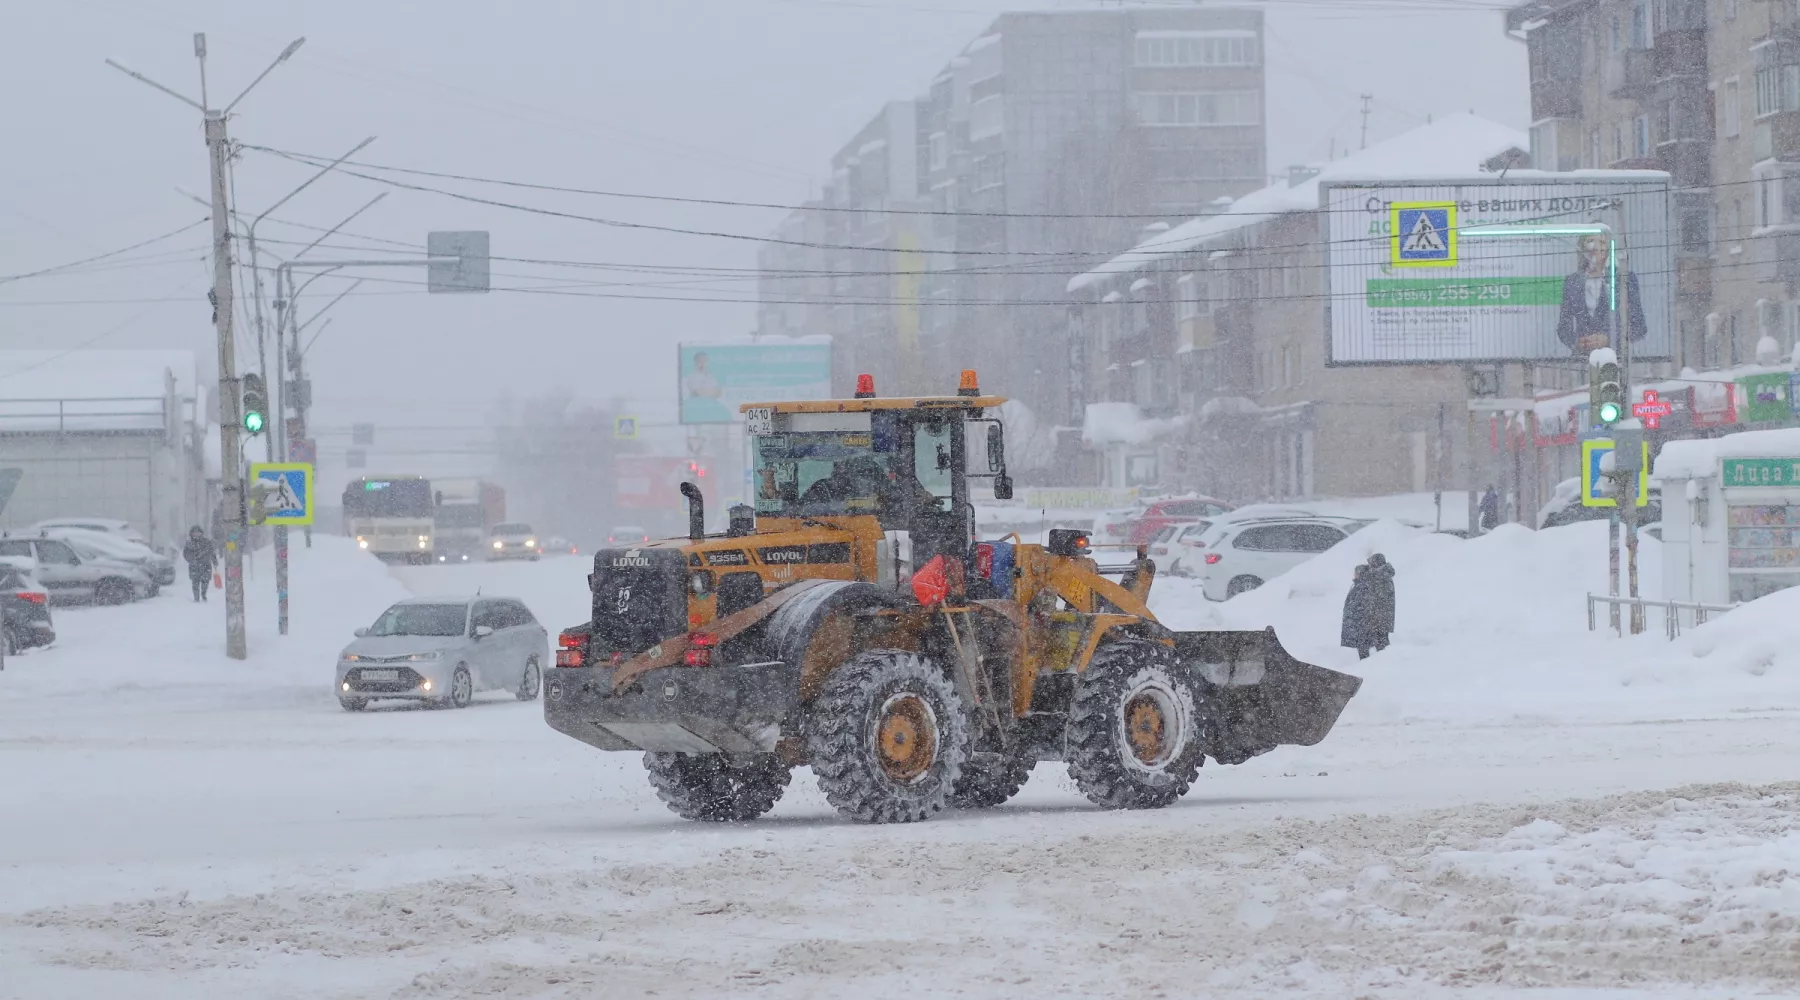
{"x":287,"y":491}
{"x":1422,"y":234}
{"x":1593,"y":489}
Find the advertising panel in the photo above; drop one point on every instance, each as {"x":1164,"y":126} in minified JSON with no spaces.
{"x":649,"y":482}
{"x":1408,"y":283}
{"x":717,"y":378}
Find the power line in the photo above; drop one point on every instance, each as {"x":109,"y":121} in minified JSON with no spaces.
{"x":111,"y":253}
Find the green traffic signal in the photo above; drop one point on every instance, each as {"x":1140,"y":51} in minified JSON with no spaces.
{"x":1606,"y":393}
{"x":256,"y":404}
{"x":1610,"y":413}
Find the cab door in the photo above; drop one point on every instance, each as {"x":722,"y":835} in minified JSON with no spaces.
{"x":487,"y":654}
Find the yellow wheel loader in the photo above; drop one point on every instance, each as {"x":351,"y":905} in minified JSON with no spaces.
{"x":852,"y":620}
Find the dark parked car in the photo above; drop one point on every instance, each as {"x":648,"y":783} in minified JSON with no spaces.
{"x":26,"y":606}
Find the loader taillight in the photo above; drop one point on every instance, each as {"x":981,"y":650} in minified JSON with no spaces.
{"x":984,"y":561}
{"x":34,"y":597}
{"x":1212,"y":558}
{"x":571,"y":650}
{"x":700,"y":649}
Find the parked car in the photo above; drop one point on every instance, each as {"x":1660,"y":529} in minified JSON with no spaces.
{"x":1237,"y":555}
{"x":444,"y":651}
{"x":69,"y":575}
{"x":556,"y":545}
{"x":160,"y":567}
{"x":627,"y":534}
{"x":513,"y":540}
{"x":1185,"y":548}
{"x":1564,"y":507}
{"x":108,"y":525}
{"x":25,"y":605}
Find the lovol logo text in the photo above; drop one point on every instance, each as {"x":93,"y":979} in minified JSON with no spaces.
{"x":624,"y":561}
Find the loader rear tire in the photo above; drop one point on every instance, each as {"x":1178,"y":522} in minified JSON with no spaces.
{"x":989,"y":779}
{"x":1134,"y":737}
{"x":888,"y":737}
{"x":717,"y":787}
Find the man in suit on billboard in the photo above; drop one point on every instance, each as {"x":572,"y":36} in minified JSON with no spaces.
{"x":1586,"y":320}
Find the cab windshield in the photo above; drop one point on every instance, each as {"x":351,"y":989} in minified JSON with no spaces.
{"x":821,"y":473}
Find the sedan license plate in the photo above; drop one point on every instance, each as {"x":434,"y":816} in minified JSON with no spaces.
{"x":381,"y":675}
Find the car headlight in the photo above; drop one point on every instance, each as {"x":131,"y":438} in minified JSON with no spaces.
{"x":499,"y":544}
{"x":434,"y":654}
{"x":362,"y":543}
{"x":529,"y":542}
{"x":351,"y":658}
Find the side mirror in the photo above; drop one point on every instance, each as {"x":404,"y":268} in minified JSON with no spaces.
{"x":483,"y":631}
{"x":1003,"y":487}
{"x":361,"y":632}
{"x":996,"y":448}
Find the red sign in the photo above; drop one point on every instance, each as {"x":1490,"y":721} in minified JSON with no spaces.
{"x":303,"y":450}
{"x":1652,"y":410}
{"x":650,"y":482}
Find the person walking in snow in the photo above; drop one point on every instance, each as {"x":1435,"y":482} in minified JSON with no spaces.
{"x":1490,"y":509}
{"x":1381,"y":605}
{"x":1359,"y":609}
{"x":200,"y":558}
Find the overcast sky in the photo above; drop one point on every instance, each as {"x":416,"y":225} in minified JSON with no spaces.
{"x":729,"y":99}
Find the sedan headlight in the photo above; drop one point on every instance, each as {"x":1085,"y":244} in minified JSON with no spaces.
{"x":434,"y":654}
{"x":499,"y":544}
{"x":351,"y":658}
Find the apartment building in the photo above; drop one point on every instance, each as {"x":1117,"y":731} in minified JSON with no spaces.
{"x":1052,"y":137}
{"x":1708,"y":90}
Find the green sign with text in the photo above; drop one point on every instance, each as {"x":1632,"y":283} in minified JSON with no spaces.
{"x":1760,"y":471}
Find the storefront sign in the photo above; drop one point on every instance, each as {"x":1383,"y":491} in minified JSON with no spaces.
{"x":1760,"y":471}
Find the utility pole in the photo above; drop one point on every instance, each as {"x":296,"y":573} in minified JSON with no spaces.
{"x":231,"y":470}
{"x":1367,"y":100}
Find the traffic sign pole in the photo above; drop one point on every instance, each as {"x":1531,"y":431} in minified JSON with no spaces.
{"x":288,"y":489}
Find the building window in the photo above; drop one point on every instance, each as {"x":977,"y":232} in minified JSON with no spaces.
{"x":987,"y":117}
{"x":1615,"y":34}
{"x":990,"y":171}
{"x":1225,"y":107}
{"x":939,"y":145}
{"x":1594,"y":148}
{"x":1730,"y":108}
{"x":1187,"y":292}
{"x":1671,"y":122}
{"x":1731,"y":10}
{"x":1640,"y":24}
{"x":1640,"y":129}
{"x":1197,"y":48}
{"x":1618,"y":141}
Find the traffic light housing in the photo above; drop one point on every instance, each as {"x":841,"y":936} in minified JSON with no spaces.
{"x":1606,"y":394}
{"x":256,"y":404}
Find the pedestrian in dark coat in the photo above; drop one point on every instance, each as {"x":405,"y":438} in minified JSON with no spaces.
{"x":1381,"y":605}
{"x":1490,"y":510}
{"x":1359,"y":610}
{"x":200,"y":558}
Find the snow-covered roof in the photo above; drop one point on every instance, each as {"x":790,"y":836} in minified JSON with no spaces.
{"x":1700,"y":458}
{"x":1123,"y":423}
{"x":116,"y":390}
{"x":1455,"y":145}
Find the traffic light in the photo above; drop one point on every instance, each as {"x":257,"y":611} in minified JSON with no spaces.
{"x":256,"y":404}
{"x":1606,"y":393}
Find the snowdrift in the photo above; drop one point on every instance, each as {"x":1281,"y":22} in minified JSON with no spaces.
{"x":1495,"y":629}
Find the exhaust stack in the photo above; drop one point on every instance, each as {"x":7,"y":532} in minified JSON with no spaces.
{"x":696,"y":511}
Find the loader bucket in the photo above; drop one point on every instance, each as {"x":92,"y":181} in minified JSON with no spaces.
{"x":1264,"y":697}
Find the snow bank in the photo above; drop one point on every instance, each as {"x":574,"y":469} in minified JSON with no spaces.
{"x":1495,"y":629}
{"x":1123,"y":423}
{"x":1700,"y":458}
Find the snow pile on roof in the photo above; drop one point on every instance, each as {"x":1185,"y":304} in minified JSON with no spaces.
{"x":1103,"y":424}
{"x":1700,"y":458}
{"x":92,"y":390}
{"x":1455,"y":145}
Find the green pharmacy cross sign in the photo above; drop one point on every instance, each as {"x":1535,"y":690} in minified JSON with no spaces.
{"x":1760,"y":471}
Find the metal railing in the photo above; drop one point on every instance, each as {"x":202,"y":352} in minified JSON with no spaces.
{"x":1670,"y":609}
{"x":64,"y":416}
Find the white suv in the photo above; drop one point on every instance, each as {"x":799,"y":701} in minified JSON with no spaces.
{"x":1238,"y":555}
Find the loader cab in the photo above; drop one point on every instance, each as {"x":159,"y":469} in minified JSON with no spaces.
{"x":902,"y":463}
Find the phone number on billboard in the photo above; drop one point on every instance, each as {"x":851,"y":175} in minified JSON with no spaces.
{"x":1389,"y":293}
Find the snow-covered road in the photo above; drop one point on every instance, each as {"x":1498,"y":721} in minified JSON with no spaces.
{"x":173,"y":824}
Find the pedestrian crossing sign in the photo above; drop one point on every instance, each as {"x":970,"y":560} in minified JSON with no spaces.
{"x":1422,"y":234}
{"x":287,"y":492}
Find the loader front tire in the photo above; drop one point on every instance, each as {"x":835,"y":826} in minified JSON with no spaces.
{"x":1134,"y":736}
{"x":717,"y":787}
{"x":887,"y":737}
{"x":989,"y":779}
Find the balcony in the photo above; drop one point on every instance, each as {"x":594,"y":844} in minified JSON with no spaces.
{"x":1555,"y":99}
{"x":1777,"y":137}
{"x":1632,"y":74}
{"x":1784,"y":20}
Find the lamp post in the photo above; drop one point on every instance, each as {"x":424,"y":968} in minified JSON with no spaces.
{"x":231,"y":472}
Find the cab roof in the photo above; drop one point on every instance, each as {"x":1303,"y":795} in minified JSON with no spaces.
{"x":880,"y":403}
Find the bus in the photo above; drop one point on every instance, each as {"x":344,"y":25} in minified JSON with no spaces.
{"x":466,"y":512}
{"x":390,"y":517}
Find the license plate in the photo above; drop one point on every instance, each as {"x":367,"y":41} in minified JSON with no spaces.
{"x":381,"y":675}
{"x":759,"y":420}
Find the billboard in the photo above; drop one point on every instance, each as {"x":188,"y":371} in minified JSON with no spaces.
{"x":1406,"y":283}
{"x":717,"y":378}
{"x":649,"y":482}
